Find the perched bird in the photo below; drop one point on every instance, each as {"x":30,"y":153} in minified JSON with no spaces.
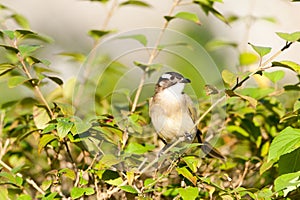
{"x":173,"y":114}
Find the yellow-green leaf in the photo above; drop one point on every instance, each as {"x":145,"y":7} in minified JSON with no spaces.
{"x":15,"y":81}
{"x":189,"y":193}
{"x":287,"y":64}
{"x":262,"y":51}
{"x":138,"y":37}
{"x":188,"y":16}
{"x":229,"y":77}
{"x":247,"y":58}
{"x":40,"y":117}
{"x":274,"y":76}
{"x":46,"y":139}
{"x":187,"y":174}
{"x":291,"y":37}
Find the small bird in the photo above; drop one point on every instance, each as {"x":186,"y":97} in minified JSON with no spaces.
{"x":173,"y":114}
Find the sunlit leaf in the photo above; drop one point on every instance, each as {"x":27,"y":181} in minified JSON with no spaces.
{"x":187,"y":174}
{"x":77,"y":192}
{"x":116,"y":182}
{"x":238,"y":129}
{"x":63,"y":127}
{"x":296,"y":105}
{"x":5,"y":68}
{"x":274,"y":76}
{"x":287,"y":64}
{"x":10,"y":48}
{"x":136,"y":148}
{"x":69,"y":173}
{"x":207,"y":7}
{"x":287,"y":141}
{"x":40,"y":117}
{"x":56,"y":80}
{"x":16,"y":80}
{"x":192,"y":162}
{"x":27,"y":50}
{"x":45,"y":139}
{"x":185,"y":16}
{"x":217,"y":44}
{"x":262,"y":51}
{"x":189,"y":193}
{"x":10,"y":34}
{"x":291,"y":37}
{"x":229,"y":77}
{"x":96,"y":34}
{"x":135,"y":3}
{"x":78,"y":57}
{"x":139,"y":37}
{"x":289,"y":181}
{"x":21,"y":21}
{"x":128,"y":188}
{"x":247,"y":58}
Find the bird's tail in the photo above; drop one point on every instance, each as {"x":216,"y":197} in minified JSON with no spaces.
{"x":207,"y":148}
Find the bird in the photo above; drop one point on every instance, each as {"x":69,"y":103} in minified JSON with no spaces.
{"x":173,"y":113}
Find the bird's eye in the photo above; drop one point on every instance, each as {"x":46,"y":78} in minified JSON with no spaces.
{"x":172,"y":77}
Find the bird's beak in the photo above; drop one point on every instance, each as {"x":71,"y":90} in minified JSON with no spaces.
{"x":185,"y":80}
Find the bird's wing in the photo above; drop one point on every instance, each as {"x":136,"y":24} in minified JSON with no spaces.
{"x":191,"y":107}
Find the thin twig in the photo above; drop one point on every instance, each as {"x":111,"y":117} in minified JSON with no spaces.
{"x":36,"y":87}
{"x":262,"y":67}
{"x":152,"y":56}
{"x":28,"y":180}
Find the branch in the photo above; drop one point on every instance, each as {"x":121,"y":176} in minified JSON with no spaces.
{"x":262,"y":67}
{"x":28,"y":180}
{"x":152,"y":56}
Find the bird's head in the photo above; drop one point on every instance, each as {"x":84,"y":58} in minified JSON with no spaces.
{"x":172,"y":81}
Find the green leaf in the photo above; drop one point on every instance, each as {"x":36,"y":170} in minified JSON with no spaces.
{"x":21,"y":21}
{"x":229,"y":77}
{"x":287,"y":64}
{"x":287,"y":141}
{"x":5,"y":68}
{"x":149,"y":182}
{"x":50,"y":196}
{"x":217,"y":44}
{"x":138,"y":37}
{"x":24,"y":197}
{"x":10,"y":48}
{"x":187,"y":174}
{"x":128,"y":188}
{"x":290,"y":162}
{"x":185,"y":16}
{"x":63,"y":127}
{"x":207,"y":7}
{"x":77,"y":192}
{"x":10,"y":34}
{"x":135,"y":3}
{"x":97,"y":34}
{"x":287,"y":181}
{"x":136,"y":148}
{"x":77,"y":57}
{"x":116,"y":182}
{"x":189,"y":193}
{"x":296,"y":105}
{"x":46,"y":184}
{"x":262,"y":51}
{"x":68,"y":173}
{"x":15,"y":81}
{"x":238,"y":129}
{"x":192,"y":162}
{"x":56,"y":80}
{"x":40,"y":117}
{"x":247,"y":58}
{"x":27,"y":50}
{"x":256,"y":93}
{"x":274,"y":76}
{"x":45,"y":139}
{"x":291,"y":37}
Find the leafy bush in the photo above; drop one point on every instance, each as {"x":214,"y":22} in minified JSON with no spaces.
{"x":81,"y":140}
